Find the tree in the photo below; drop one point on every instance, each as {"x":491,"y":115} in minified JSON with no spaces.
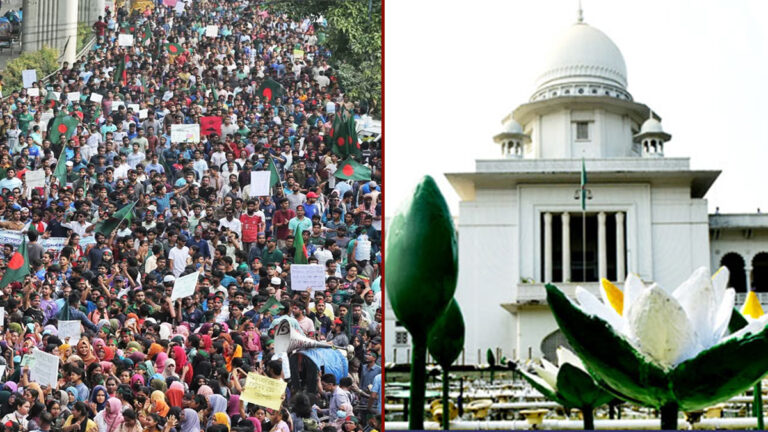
{"x":354,"y":37}
{"x":44,"y":61}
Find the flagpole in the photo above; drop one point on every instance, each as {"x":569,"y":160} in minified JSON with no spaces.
{"x":584,"y":243}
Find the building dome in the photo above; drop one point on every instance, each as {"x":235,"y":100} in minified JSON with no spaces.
{"x":512,"y":127}
{"x":651,"y":126}
{"x":584,"y":62}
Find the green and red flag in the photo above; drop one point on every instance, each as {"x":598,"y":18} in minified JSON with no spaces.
{"x":173,"y":49}
{"x":124,"y":214}
{"x":300,"y":256}
{"x":353,"y":144}
{"x":63,"y":126}
{"x":338,"y":134}
{"x":272,"y":305}
{"x":145,"y":33}
{"x":50,"y":99}
{"x":352,"y":170}
{"x":121,"y":74}
{"x":274,"y":176}
{"x":270,"y":90}
{"x":60,"y":172}
{"x":18,"y":266}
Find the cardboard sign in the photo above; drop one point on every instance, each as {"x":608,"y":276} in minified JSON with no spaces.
{"x":34,"y":179}
{"x":259,"y":183}
{"x":184,"y":286}
{"x":95,"y":97}
{"x":33,"y":92}
{"x":264,"y":391}
{"x":73,"y":96}
{"x":71,"y":330}
{"x":305,"y":276}
{"x":212,"y":31}
{"x":45,"y":370}
{"x":185,"y":133}
{"x":125,"y":39}
{"x":28,"y":77}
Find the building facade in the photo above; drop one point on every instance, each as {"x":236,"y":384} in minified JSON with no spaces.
{"x":521,"y":222}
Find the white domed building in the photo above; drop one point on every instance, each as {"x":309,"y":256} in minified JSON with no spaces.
{"x":521,"y":222}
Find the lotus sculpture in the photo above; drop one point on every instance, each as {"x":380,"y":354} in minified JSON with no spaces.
{"x":671,"y":350}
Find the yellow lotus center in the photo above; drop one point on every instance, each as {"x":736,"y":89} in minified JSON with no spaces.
{"x":614,"y":295}
{"x":752,"y":306}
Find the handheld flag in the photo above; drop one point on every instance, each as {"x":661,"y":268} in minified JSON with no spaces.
{"x":60,"y":172}
{"x":274,"y":177}
{"x":300,"y":257}
{"x":583,"y":185}
{"x":63,"y":126}
{"x":173,"y":49}
{"x":353,"y":170}
{"x":106,"y":227}
{"x":270,"y":89}
{"x":18,"y":266}
{"x":210,"y":125}
{"x":120,"y":74}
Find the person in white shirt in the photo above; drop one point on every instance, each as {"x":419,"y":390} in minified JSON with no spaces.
{"x":121,"y":171}
{"x":178,"y":256}
{"x":80,"y":225}
{"x":231,"y":222}
{"x":135,"y":157}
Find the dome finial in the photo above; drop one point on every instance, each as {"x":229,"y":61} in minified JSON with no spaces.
{"x":580,"y":18}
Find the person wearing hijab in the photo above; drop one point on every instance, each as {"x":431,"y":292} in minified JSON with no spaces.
{"x":175,"y":394}
{"x":154,"y":350}
{"x":233,"y":408}
{"x":180,"y":356}
{"x":170,"y":369}
{"x":205,"y":391}
{"x":222,"y":419}
{"x":161,"y":362}
{"x":189,"y":421}
{"x":78,"y":421}
{"x":158,"y":403}
{"x":217,"y":404}
{"x":85,"y":352}
{"x":65,"y":350}
{"x":98,"y":400}
{"x":111,"y":417}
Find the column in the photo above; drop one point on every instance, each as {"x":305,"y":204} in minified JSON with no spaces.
{"x":602,"y":250}
{"x":620,"y":248}
{"x":566,"y":219}
{"x":748,"y":277}
{"x":547,"y":247}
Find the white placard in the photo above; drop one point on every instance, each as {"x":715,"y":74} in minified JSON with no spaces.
{"x":259,"y":183}
{"x":28,"y":77}
{"x":45,"y":370}
{"x":33,"y":92}
{"x":167,"y":96}
{"x":134,"y":107}
{"x":96,"y":97}
{"x":71,"y":330}
{"x":117,"y":104}
{"x":44,"y":119}
{"x":125,"y":39}
{"x":185,"y":133}
{"x":305,"y":276}
{"x":363,"y":250}
{"x":184,"y":286}
{"x":2,"y":371}
{"x":34,"y":179}
{"x":180,"y":5}
{"x":56,"y":96}
{"x":143,"y":113}
{"x":212,"y":30}
{"x":73,"y":96}
{"x":2,"y":316}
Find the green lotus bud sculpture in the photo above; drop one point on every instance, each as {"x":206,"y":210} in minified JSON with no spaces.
{"x":445,"y":342}
{"x":491,"y":362}
{"x":665,"y":349}
{"x":568,"y":384}
{"x":422,"y":267}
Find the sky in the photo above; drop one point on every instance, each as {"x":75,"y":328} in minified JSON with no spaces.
{"x":453,"y":70}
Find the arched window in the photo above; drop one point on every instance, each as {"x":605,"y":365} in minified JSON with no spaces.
{"x":550,"y":344}
{"x":735,"y":264}
{"x":760,"y":272}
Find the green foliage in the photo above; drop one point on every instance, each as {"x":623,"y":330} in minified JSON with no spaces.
{"x":354,"y":38}
{"x":44,"y":61}
{"x":84,"y":33}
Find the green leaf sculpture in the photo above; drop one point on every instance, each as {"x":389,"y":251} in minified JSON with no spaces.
{"x":422,"y":267}
{"x":445,"y":342}
{"x":667,"y":350}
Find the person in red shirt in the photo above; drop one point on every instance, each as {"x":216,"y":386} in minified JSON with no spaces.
{"x":100,"y":27}
{"x":253,"y":223}
{"x":280,"y":220}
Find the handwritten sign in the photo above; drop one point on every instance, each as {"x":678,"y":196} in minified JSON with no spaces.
{"x":117,"y":104}
{"x":298,"y":54}
{"x":185,"y":133}
{"x":28,"y":77}
{"x":34,"y":179}
{"x":125,"y":39}
{"x":95,"y":97}
{"x":45,"y":370}
{"x":71,"y":330}
{"x":134,"y":107}
{"x":33,"y":92}
{"x":212,"y":31}
{"x":263,"y":391}
{"x":73,"y":96}
{"x":259,"y":183}
{"x":184,"y":286}
{"x":305,"y":276}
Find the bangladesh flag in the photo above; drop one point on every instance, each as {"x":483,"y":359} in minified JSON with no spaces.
{"x":61,"y":168}
{"x":50,"y":99}
{"x":63,"y":125}
{"x":274,"y":177}
{"x":338,"y":134}
{"x":173,"y":49}
{"x":300,"y":257}
{"x":18,"y":266}
{"x":353,"y":144}
{"x":146,"y":33}
{"x":272,"y":305}
{"x":270,"y":89}
{"x":120,"y":74}
{"x":124,"y":214}
{"x":352,"y":170}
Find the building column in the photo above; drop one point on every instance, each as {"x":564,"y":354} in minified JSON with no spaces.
{"x":547,"y":247}
{"x":602,"y":250}
{"x":620,"y":249}
{"x":748,"y":277}
{"x":566,"y":219}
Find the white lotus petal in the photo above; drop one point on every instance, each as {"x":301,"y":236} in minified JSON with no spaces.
{"x":633,"y":287}
{"x":540,"y":381}
{"x":720,"y":282}
{"x":549,"y":377}
{"x":753,"y":326}
{"x":549,"y":367}
{"x":660,"y":328}
{"x":697,"y":297}
{"x":592,"y":306}
{"x":723,"y":315}
{"x":564,"y":355}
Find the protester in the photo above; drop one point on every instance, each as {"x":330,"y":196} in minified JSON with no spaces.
{"x":154,"y":266}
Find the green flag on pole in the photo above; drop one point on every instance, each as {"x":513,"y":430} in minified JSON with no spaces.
{"x":300,"y":257}
{"x":583,"y":185}
{"x":270,"y":90}
{"x":60,"y":172}
{"x":18,"y":266}
{"x":353,"y":170}
{"x":274,"y":176}
{"x":106,"y":227}
{"x":63,"y":125}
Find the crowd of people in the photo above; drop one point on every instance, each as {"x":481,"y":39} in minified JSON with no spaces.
{"x":125,"y":210}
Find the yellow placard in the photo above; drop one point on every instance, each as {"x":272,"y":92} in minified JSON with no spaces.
{"x":141,"y":5}
{"x":298,"y":54}
{"x":264,"y":391}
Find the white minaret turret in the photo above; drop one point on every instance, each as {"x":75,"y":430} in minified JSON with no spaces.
{"x":512,"y":139}
{"x":652,"y":137}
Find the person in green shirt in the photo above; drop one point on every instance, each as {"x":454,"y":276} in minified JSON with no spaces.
{"x":25,"y":118}
{"x":271,"y":254}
